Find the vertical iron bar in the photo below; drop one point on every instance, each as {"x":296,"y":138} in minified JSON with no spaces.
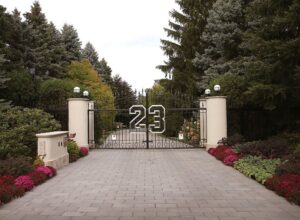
{"x":147,"y":121}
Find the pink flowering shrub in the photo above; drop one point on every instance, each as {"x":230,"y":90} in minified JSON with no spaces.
{"x":45,"y":170}
{"x":212,"y":151}
{"x":83,"y":151}
{"x":53,"y":170}
{"x":230,"y":159}
{"x":225,"y":154}
{"x":24,"y":182}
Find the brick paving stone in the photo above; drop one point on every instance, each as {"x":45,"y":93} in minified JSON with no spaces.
{"x":149,"y":185}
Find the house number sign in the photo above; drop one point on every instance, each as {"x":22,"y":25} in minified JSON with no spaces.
{"x":158,"y":123}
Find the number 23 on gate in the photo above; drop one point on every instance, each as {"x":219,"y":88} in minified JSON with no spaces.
{"x":158,"y":112}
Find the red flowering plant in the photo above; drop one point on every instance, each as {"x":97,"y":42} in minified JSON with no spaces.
{"x":287,"y":185}
{"x":224,"y":153}
{"x":53,"y":170}
{"x":230,"y":159}
{"x":24,"y":182}
{"x":83,"y":151}
{"x":37,"y":177}
{"x":45,"y":170}
{"x":7,"y":180}
{"x":212,"y":151}
{"x":8,"y":192}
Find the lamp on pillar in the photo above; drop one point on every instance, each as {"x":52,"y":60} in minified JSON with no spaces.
{"x":217,"y":88}
{"x":76,"y":90}
{"x":85,"y":93}
{"x":207,"y":92}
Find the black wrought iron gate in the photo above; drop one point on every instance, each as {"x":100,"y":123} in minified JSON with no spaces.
{"x":150,"y":125}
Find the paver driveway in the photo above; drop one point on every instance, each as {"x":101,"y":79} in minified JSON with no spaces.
{"x":149,"y":184}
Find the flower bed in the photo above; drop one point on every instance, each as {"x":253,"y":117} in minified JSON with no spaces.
{"x":225,"y":154}
{"x":14,"y":187}
{"x":281,"y":177}
{"x":287,"y":185}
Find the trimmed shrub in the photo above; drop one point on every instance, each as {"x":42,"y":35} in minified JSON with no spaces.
{"x":15,"y":166}
{"x":73,"y":151}
{"x":24,"y":182}
{"x":18,"y":128}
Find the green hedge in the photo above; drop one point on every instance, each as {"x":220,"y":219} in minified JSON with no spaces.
{"x":18,"y":128}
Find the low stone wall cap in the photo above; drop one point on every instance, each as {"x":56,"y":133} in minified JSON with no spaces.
{"x":52,"y":134}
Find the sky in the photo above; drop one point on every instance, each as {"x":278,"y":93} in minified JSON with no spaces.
{"x":126,"y":33}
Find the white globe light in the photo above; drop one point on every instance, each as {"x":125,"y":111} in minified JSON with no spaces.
{"x":85,"y":93}
{"x":76,"y":89}
{"x":217,"y":88}
{"x":207,"y":92}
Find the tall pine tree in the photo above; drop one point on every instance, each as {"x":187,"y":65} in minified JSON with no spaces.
{"x":222,"y":37}
{"x":272,"y":45}
{"x":44,"y":47}
{"x":71,"y":42}
{"x":89,"y":52}
{"x":184,"y":30}
{"x":105,"y":71}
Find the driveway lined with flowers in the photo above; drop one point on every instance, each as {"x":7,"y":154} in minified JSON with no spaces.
{"x":150,"y":184}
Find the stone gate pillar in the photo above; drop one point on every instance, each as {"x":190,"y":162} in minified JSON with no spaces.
{"x":216,"y":120}
{"x":78,"y":119}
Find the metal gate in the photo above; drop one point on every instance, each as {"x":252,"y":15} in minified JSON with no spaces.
{"x":150,"y":125}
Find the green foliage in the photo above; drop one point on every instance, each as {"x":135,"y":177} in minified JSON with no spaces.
{"x":273,"y":147}
{"x":296,"y":152}
{"x":55,"y":92}
{"x":291,"y":166}
{"x":105,"y":71}
{"x":221,"y":37}
{"x":185,"y":27}
{"x":18,"y":129}
{"x":86,"y":76}
{"x":71,"y":43}
{"x":38,"y":161}
{"x":21,"y":89}
{"x":257,"y":168}
{"x":15,"y":166}
{"x":45,"y":50}
{"x":73,"y":150}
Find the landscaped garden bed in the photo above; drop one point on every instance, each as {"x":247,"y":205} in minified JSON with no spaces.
{"x":18,"y":175}
{"x":274,"y":163}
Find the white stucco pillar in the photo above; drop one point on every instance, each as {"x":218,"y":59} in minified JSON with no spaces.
{"x":216,"y":120}
{"x":78,"y":120}
{"x":91,"y":124}
{"x":203,"y":122}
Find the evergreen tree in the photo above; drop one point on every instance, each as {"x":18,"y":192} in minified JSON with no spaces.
{"x":44,"y":47}
{"x":272,"y":45}
{"x":105,"y":71}
{"x":185,"y":29}
{"x":89,"y":52}
{"x":222,"y":37}
{"x":71,"y":42}
{"x":123,"y":93}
